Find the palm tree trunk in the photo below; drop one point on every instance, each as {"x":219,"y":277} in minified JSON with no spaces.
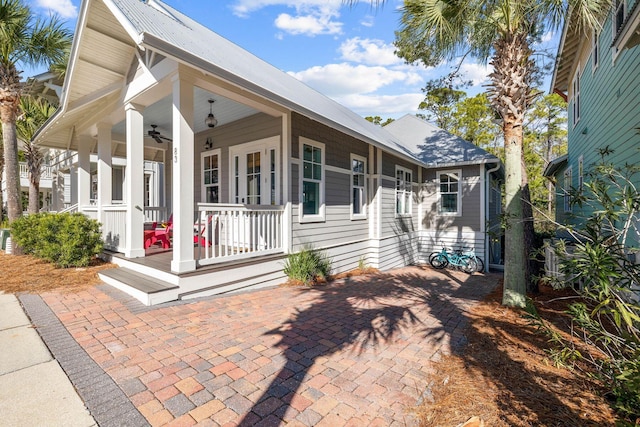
{"x":11,"y":170}
{"x":1,"y":180}
{"x":515,"y":284}
{"x":34,"y":198}
{"x":510,"y":94}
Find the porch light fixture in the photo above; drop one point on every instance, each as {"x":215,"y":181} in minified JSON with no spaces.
{"x":208,"y":145}
{"x":211,"y":120}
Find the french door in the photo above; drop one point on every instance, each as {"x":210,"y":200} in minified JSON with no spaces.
{"x":255,"y":173}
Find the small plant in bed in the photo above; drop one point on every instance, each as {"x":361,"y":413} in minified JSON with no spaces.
{"x":307,"y":267}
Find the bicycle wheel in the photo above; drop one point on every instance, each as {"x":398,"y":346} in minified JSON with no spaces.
{"x":469,"y":265}
{"x":438,"y":260}
{"x":480,"y":263}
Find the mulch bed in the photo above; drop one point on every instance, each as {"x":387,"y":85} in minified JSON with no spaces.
{"x":25,"y":273}
{"x":505,"y":377}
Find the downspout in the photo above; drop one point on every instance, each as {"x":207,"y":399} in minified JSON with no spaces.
{"x":487,"y":193}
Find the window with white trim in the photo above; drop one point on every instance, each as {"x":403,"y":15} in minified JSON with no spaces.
{"x":358,"y":187}
{"x":403,"y":191}
{"x":595,"y":49}
{"x":449,"y":193}
{"x":619,"y":13}
{"x":567,"y":190}
{"x":312,"y":180}
{"x":210,"y":161}
{"x":576,"y":97}
{"x":580,"y":173}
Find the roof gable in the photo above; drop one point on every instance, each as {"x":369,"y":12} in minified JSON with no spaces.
{"x":161,"y":27}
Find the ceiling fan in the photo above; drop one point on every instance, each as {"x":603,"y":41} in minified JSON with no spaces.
{"x":157,"y":136}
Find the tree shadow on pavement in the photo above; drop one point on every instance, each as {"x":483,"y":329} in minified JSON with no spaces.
{"x":380,"y":315}
{"x":366,"y":315}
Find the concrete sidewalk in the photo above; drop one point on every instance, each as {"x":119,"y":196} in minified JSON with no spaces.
{"x":34,"y":390}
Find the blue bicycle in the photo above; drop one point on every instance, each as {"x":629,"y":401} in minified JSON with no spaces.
{"x":457,"y":259}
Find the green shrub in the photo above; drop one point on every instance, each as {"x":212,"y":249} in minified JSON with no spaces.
{"x":607,"y":316}
{"x":307,"y":266}
{"x":67,"y":240}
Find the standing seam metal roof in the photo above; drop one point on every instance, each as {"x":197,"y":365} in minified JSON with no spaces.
{"x":192,"y":39}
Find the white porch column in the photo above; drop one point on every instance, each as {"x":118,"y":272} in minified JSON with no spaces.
{"x":134,"y":198}
{"x":84,"y":171}
{"x":182,"y":159}
{"x":287,"y":221}
{"x":105,"y":177}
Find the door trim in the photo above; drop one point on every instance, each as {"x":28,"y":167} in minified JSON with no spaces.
{"x":262,"y":145}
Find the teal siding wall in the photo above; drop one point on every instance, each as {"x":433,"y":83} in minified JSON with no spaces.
{"x":610,"y":111}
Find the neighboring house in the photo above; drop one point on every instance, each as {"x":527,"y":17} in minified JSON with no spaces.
{"x":599,"y":75}
{"x":47,"y":86}
{"x":58,"y":189}
{"x":264,"y":164}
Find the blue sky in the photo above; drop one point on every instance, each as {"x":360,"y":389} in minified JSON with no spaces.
{"x":344,"y":52}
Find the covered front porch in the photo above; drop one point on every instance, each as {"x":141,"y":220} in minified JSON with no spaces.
{"x":222,"y":178}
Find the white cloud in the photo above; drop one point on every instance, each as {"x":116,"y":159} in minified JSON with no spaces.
{"x":368,"y":51}
{"x":345,"y":79}
{"x":382,"y":105}
{"x":311,"y":25}
{"x":244,"y":7}
{"x":311,"y":17}
{"x":368,"y":21}
{"x":476,"y":73}
{"x":64,"y":8}
{"x":547,"y":37}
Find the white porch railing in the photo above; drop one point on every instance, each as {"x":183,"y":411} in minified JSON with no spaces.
{"x":155,"y":214}
{"x":47,"y":171}
{"x":226,"y":232}
{"x":70,"y":209}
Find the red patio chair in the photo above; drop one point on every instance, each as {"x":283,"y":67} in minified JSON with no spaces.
{"x":160,"y":235}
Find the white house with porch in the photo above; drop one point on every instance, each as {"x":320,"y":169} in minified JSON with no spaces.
{"x":257,"y":164}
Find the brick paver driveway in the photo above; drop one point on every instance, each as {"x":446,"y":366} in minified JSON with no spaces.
{"x":356,"y":352}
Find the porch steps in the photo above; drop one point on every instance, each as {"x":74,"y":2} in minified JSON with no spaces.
{"x":146,"y":289}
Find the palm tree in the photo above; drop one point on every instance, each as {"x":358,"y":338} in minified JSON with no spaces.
{"x":34,"y":114}
{"x":25,"y":40}
{"x":500,"y":31}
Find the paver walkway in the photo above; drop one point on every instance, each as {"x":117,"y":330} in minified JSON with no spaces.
{"x":356,"y":352}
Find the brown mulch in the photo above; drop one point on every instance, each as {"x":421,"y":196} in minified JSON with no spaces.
{"x":505,"y":377}
{"x":25,"y":273}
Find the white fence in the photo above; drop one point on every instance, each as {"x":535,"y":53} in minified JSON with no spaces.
{"x":226,"y":232}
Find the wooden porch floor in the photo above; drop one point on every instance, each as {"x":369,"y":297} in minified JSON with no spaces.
{"x":160,"y":259}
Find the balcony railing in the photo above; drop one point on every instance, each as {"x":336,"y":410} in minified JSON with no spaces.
{"x":46,"y":171}
{"x":226,"y":232}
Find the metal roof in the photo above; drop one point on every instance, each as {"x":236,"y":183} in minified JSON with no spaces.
{"x":157,"y":25}
{"x":555,"y":165}
{"x":434,"y":146}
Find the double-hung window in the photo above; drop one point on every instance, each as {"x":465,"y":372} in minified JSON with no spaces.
{"x":403,"y":191}
{"x":576,"y":97}
{"x":595,"y":50}
{"x":580,"y":173}
{"x":312,"y":186}
{"x":618,"y":16}
{"x":567,"y":190}
{"x":449,"y":194}
{"x":358,"y":187}
{"x":210,"y":161}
